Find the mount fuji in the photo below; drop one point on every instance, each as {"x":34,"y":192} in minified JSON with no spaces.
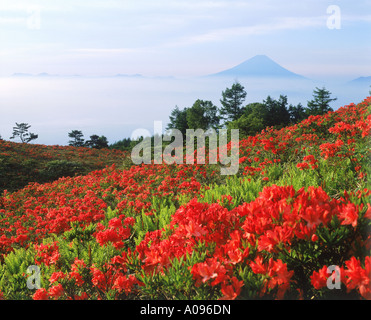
{"x":259,"y":66}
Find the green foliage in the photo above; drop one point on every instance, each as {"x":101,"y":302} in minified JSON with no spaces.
{"x":177,"y":283}
{"x":232,"y":100}
{"x":9,"y":169}
{"x":178,"y":120}
{"x":77,"y":138}
{"x":277,"y":113}
{"x":81,"y":238}
{"x":159,"y":218}
{"x":13,"y":274}
{"x":21,"y":163}
{"x":97,"y":142}
{"x":320,"y":104}
{"x":292,"y":175}
{"x":202,"y":115}
{"x":125,"y":144}
{"x":252,"y":121}
{"x":297,"y":113}
{"x":241,"y":190}
{"x":252,"y":283}
{"x":61,"y":168}
{"x":257,"y":116}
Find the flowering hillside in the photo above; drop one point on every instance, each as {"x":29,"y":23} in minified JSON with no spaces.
{"x":22,"y":163}
{"x":294,"y":223}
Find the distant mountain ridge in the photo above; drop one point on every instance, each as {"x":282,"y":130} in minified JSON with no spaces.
{"x":137,"y":75}
{"x":361,"y":80}
{"x":42,"y":75}
{"x":259,"y":66}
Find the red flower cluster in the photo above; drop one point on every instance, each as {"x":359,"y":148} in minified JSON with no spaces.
{"x":38,"y":210}
{"x":115,"y":233}
{"x":278,"y":275}
{"x":235,"y":243}
{"x":47,"y":254}
{"x":277,"y":218}
{"x":310,"y":160}
{"x":331,"y":149}
{"x":353,"y":275}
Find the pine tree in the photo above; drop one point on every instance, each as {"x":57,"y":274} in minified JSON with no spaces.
{"x":297,"y":113}
{"x":232,"y":100}
{"x":21,"y":131}
{"x":320,"y":104}
{"x":97,"y":142}
{"x":178,"y":120}
{"x":277,"y":113}
{"x":77,"y":137}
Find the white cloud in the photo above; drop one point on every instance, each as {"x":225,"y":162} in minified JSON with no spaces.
{"x":215,"y":35}
{"x":13,"y":21}
{"x":149,"y":36}
{"x":356,"y":18}
{"x":105,"y":51}
{"x":288,"y":23}
{"x":11,"y":6}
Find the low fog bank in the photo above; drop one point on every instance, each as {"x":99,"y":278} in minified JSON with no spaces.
{"x":116,"y":106}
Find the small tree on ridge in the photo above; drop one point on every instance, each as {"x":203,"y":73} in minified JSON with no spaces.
{"x":77,"y":137}
{"x":21,"y":131}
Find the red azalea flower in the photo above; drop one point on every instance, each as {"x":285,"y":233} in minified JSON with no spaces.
{"x":56,"y":291}
{"x":231,"y":291}
{"x":56,"y":276}
{"x":40,"y":294}
{"x":210,"y":269}
{"x":368,"y":212}
{"x":349,"y":214}
{"x":319,"y":279}
{"x":358,"y":277}
{"x":257,"y":266}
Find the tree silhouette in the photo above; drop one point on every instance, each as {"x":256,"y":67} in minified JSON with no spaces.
{"x":21,"y":131}
{"x":178,"y":120}
{"x":320,"y":103}
{"x":297,"y":113}
{"x":277,"y":113}
{"x":97,"y":142}
{"x":77,"y":137}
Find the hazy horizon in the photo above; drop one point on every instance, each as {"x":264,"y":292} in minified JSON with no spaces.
{"x":115,"y":107}
{"x":173,"y":44}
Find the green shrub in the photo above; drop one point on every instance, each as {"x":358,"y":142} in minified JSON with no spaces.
{"x":61,"y":168}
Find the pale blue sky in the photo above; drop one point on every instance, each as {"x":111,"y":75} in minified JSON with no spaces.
{"x":182,"y":38}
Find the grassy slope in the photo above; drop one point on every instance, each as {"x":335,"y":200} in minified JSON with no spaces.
{"x":22,"y":163}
